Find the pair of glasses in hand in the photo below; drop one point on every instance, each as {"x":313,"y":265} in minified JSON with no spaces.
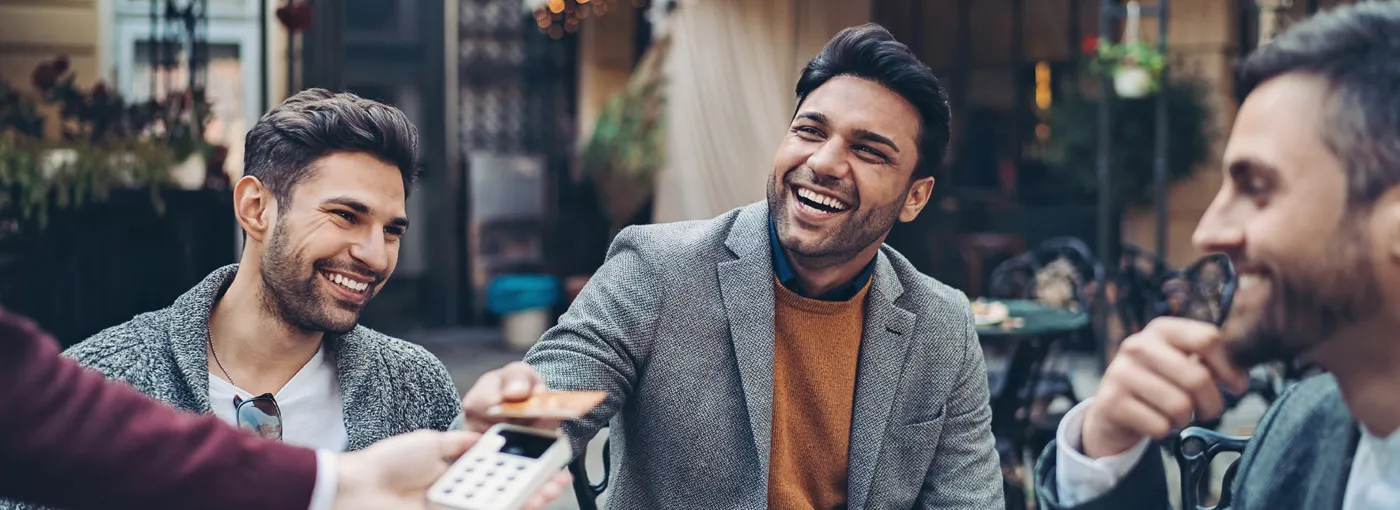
{"x":1203,"y":291}
{"x":260,"y":415}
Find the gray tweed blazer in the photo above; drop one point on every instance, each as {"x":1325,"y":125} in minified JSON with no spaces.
{"x":388,"y":386}
{"x":1299,"y":458}
{"x":677,"y":328}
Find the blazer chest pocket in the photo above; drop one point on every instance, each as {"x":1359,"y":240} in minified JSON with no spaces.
{"x":910,"y":449}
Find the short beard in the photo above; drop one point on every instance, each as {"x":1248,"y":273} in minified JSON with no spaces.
{"x":288,"y":295}
{"x":1308,"y":306}
{"x":854,"y":235}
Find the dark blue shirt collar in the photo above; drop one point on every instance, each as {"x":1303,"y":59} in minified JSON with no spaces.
{"x":788,"y":277}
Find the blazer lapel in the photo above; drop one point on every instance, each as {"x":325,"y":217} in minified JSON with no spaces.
{"x":1335,"y":448}
{"x":746,"y":284}
{"x":883,"y":349}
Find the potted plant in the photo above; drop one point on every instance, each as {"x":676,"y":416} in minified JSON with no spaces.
{"x":99,"y":146}
{"x":1135,"y":67}
{"x":628,"y":144}
{"x":1072,"y":148}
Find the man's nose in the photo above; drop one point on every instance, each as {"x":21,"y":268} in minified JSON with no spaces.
{"x":1218,"y":232}
{"x":373,"y":251}
{"x":828,"y":161}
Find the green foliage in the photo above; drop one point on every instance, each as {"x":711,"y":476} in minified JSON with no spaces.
{"x":1107,"y":58}
{"x":1072,"y":148}
{"x":628,"y":144}
{"x":103,"y":143}
{"x":37,"y":176}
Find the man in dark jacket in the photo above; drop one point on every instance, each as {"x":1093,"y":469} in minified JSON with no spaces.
{"x":1309,"y":212}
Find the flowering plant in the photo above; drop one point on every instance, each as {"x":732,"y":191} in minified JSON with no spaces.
{"x":102,"y":142}
{"x":1137,"y":63}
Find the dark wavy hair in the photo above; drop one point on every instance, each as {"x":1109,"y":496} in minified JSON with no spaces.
{"x":282,"y":147}
{"x":1356,"y":48}
{"x":869,"y":51}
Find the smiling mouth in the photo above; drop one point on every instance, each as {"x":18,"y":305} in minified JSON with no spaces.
{"x":348,"y":283}
{"x":819,"y":201}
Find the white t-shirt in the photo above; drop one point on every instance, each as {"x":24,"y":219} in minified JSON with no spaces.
{"x":310,"y":405}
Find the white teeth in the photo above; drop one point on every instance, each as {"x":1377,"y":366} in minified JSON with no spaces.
{"x":346,"y":282}
{"x":821,"y":199}
{"x":1247,"y":281}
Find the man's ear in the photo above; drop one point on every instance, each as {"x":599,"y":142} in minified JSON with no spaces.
{"x":919,"y":193}
{"x":254,"y":207}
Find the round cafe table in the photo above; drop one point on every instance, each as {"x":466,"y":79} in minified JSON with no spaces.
{"x":1031,"y":319}
{"x":1029,"y":331}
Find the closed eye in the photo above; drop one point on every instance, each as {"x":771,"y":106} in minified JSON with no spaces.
{"x":808,"y":130}
{"x":874,"y":153}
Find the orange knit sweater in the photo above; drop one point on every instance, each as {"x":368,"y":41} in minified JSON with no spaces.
{"x":816,"y":352}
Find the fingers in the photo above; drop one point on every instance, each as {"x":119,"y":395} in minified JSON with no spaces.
{"x":1136,"y":416}
{"x":549,"y":491}
{"x":1160,"y":379}
{"x":1174,"y":382}
{"x":519,"y":381}
{"x":1203,"y":340}
{"x":455,"y":443}
{"x":511,"y":383}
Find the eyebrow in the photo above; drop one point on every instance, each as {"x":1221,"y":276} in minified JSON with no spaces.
{"x":1249,"y":164}
{"x":863,"y":134}
{"x":361,"y":208}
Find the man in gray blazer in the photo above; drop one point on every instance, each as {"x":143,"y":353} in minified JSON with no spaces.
{"x":1310,"y":214}
{"x":779,"y":355}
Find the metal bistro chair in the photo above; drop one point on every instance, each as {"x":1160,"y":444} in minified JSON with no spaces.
{"x":1203,"y":291}
{"x":1196,"y":448}
{"x":586,"y":491}
{"x":1059,"y":273}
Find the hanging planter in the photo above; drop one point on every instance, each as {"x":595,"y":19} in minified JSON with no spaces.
{"x":1134,"y":67}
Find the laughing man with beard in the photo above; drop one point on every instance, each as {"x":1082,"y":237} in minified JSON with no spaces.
{"x":781,"y":355}
{"x":272,"y":343}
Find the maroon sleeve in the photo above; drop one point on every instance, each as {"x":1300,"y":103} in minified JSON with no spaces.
{"x":68,"y":438}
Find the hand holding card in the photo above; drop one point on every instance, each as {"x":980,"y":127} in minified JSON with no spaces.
{"x":555,"y":405}
{"x":516,"y":394}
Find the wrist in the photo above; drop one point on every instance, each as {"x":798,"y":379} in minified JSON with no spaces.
{"x":1098,"y":441}
{"x":351,"y":476}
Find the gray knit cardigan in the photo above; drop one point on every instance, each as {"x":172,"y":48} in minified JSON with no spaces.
{"x":387,"y":386}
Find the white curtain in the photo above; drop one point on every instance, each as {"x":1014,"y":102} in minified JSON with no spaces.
{"x":731,"y":73}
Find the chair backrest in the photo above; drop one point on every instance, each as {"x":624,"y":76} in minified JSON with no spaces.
{"x":1062,"y":266}
{"x":586,"y":491}
{"x":1195,"y":448}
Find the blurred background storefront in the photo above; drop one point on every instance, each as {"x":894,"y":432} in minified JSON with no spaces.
{"x":549,"y":125}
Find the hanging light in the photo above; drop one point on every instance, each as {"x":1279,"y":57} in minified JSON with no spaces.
{"x":559,"y":17}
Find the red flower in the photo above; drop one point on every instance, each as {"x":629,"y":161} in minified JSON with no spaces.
{"x":100,"y":93}
{"x":296,"y":17}
{"x":1089,"y":45}
{"x":45,"y":76}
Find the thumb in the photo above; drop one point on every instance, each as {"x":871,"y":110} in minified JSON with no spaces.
{"x":453,"y":444}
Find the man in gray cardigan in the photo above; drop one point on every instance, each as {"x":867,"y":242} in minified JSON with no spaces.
{"x":779,"y":355}
{"x":1309,"y":211}
{"x":323,"y":208}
